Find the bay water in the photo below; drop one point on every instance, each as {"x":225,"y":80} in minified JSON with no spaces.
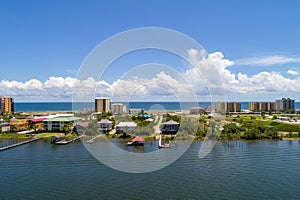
{"x":233,"y":170}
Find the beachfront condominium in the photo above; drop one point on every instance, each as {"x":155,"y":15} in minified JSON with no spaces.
{"x":6,"y":105}
{"x":285,"y":104}
{"x":118,"y":108}
{"x":221,"y":107}
{"x":262,"y":106}
{"x":1,"y":104}
{"x":102,"y":105}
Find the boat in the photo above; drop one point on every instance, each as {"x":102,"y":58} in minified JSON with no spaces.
{"x":160,"y":145}
{"x":63,"y":142}
{"x":137,"y":141}
{"x":58,"y":141}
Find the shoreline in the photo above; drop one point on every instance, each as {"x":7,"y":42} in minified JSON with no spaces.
{"x":10,"y":136}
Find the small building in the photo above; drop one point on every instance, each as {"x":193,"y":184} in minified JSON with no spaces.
{"x":58,"y":123}
{"x":136,"y":111}
{"x":18,"y":124}
{"x":170,"y":128}
{"x":123,"y":126}
{"x":4,"y":126}
{"x":104,"y":126}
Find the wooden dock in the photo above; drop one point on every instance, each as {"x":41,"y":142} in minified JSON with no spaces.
{"x":92,"y":140}
{"x":64,"y":142}
{"x":19,"y":144}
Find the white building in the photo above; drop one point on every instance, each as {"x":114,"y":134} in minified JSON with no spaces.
{"x":118,"y":108}
{"x":4,"y":126}
{"x":58,"y":123}
{"x":123,"y":126}
{"x":285,"y":104}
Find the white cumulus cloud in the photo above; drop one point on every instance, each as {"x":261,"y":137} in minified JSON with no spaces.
{"x":292,"y":72}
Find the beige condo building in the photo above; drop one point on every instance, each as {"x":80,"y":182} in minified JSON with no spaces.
{"x":102,"y":105}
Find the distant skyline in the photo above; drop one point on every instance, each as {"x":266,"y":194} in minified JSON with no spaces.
{"x":255,"y":45}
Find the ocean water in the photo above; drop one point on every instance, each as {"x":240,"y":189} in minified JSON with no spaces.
{"x":233,"y":170}
{"x":68,"y":106}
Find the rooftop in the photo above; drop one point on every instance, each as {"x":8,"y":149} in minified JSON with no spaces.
{"x":104,"y":121}
{"x":63,"y":119}
{"x":128,"y":124}
{"x":171,"y":122}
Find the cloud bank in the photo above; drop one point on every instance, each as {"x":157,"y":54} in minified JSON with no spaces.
{"x":164,"y":85}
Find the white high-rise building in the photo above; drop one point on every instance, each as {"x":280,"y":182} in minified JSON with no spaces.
{"x":285,"y":104}
{"x":118,"y":108}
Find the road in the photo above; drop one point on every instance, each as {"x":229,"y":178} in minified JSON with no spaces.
{"x":156,"y":127}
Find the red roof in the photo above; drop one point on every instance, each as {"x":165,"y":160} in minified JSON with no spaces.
{"x":38,"y":119}
{"x":138,"y":139}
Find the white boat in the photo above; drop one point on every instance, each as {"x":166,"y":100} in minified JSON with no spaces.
{"x":160,"y":145}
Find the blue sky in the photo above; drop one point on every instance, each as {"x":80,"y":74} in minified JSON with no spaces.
{"x":43,"y":39}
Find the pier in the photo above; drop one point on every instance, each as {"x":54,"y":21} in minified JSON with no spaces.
{"x":92,"y":140}
{"x":64,"y":142}
{"x":19,"y":144}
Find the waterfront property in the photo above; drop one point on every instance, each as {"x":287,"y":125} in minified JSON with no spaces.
{"x":19,"y":124}
{"x":102,"y":105}
{"x":137,"y":141}
{"x":37,"y":123}
{"x":60,"y":123}
{"x":4,"y":126}
{"x":104,"y":126}
{"x":123,"y":126}
{"x":170,"y":128}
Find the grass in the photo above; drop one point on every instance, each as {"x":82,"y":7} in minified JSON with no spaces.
{"x":46,"y":134}
{"x":288,"y":127}
{"x":15,"y":136}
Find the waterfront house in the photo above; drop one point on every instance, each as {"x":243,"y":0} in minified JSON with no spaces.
{"x":137,"y":141}
{"x":59,"y":123}
{"x":4,"y":126}
{"x":104,"y":126}
{"x":170,"y":128}
{"x":37,"y":123}
{"x":18,"y":124}
{"x":123,"y":126}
